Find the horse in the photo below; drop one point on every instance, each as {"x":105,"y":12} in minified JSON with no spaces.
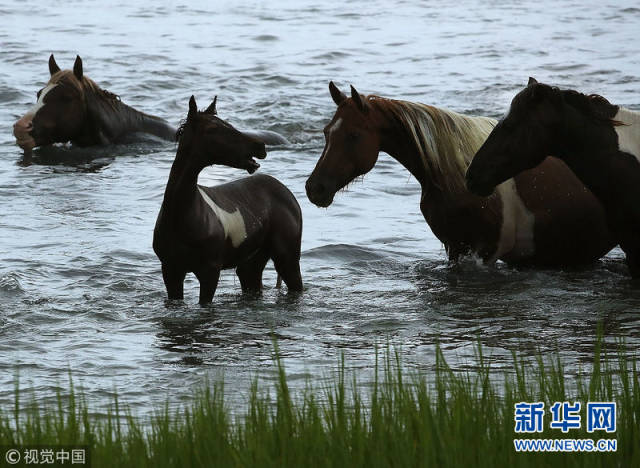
{"x":526,"y":222}
{"x":598,"y":141}
{"x":72,"y":107}
{"x":239,"y":224}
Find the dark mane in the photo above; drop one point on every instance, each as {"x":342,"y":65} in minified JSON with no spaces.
{"x":181,"y":128}
{"x":592,"y":105}
{"x":183,"y":125}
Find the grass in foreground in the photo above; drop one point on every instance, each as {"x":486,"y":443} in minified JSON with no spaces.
{"x":445,"y":418}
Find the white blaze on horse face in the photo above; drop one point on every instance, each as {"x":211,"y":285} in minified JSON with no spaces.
{"x":336,"y":125}
{"x":516,"y":232}
{"x":40,"y":102}
{"x":629,"y":133}
{"x":232,"y":223}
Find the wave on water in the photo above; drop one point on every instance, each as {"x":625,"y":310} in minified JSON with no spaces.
{"x":10,"y":283}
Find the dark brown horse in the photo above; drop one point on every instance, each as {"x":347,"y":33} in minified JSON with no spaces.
{"x":599,"y":141}
{"x":72,"y":107}
{"x":543,"y":217}
{"x":240,"y":224}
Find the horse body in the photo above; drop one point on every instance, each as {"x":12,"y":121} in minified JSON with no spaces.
{"x":516,"y":224}
{"x":598,"y":141}
{"x":72,"y":107}
{"x":240,"y":224}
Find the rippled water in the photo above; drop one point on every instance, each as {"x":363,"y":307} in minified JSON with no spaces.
{"x":80,"y":287}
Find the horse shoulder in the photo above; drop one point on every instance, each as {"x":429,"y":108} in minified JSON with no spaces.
{"x":227,"y":212}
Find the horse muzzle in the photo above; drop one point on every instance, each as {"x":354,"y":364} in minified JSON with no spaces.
{"x":318,"y":194}
{"x":22,"y":131}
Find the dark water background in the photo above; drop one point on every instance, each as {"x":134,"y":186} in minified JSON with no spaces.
{"x":80,"y":287}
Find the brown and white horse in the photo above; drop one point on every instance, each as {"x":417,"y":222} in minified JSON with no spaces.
{"x":240,"y":224}
{"x":543,"y":217}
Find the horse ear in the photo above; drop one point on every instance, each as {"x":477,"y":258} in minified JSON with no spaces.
{"x":337,"y":95}
{"x":532,"y":81}
{"x":212,"y":108}
{"x":355,"y":95}
{"x":53,"y":66}
{"x":77,"y":67}
{"x":538,"y":93}
{"x":193,"y":108}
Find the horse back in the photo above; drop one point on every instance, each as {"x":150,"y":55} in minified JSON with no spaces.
{"x":256,"y":211}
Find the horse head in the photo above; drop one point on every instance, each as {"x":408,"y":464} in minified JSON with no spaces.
{"x":60,"y":111}
{"x":207,"y":139}
{"x":521,"y":140}
{"x":352,"y":144}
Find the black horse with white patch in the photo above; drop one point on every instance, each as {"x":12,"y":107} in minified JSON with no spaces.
{"x":240,"y":224}
{"x":72,"y":107}
{"x":599,"y":141}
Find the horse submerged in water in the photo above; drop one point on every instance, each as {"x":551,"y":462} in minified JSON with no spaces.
{"x":72,"y":107}
{"x":543,"y":217}
{"x":240,"y":224}
{"x":599,"y":141}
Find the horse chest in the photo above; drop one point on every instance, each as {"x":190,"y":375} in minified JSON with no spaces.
{"x":464,"y":220}
{"x":517,"y":230}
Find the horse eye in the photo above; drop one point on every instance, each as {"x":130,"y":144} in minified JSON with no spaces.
{"x":354,"y":135}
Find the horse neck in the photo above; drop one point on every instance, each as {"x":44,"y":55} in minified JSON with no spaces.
{"x":182,"y":186}
{"x":116,"y":118}
{"x":591,"y":149}
{"x":579,"y":134}
{"x":395,"y":143}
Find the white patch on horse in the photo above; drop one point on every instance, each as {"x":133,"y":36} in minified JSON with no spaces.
{"x":232,"y":223}
{"x":516,"y":232}
{"x":335,"y":126}
{"x":332,"y":129}
{"x":38,"y":105}
{"x":629,"y":133}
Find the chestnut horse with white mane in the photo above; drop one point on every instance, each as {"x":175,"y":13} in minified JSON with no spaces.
{"x":543,"y":217}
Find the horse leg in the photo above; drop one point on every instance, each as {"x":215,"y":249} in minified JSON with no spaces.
{"x":631,"y":248}
{"x":173,"y":281}
{"x":208,"y":278}
{"x":633,"y":261}
{"x":250,"y":272}
{"x":288,"y":267}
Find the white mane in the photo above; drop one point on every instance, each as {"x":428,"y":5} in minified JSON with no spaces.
{"x":445,"y":140}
